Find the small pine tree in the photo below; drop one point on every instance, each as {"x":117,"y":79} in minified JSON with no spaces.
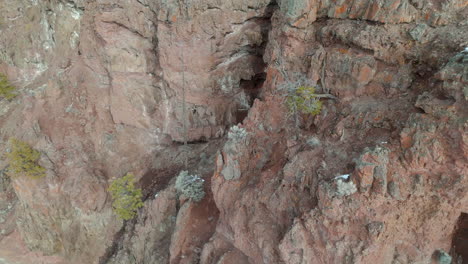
{"x":6,"y":89}
{"x":23,"y":160}
{"x":190,"y":185}
{"x":126,"y":197}
{"x":304,"y":100}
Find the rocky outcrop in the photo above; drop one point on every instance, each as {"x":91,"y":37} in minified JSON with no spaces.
{"x":102,"y":86}
{"x":389,"y":132}
{"x":107,"y":87}
{"x":153,"y":229}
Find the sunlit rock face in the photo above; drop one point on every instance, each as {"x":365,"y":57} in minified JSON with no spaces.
{"x":107,"y":87}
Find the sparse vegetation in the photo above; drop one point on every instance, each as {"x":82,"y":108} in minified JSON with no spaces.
{"x":190,"y":186}
{"x":301,"y":95}
{"x":7,"y":90}
{"x":23,"y":160}
{"x":304,"y":100}
{"x":126,"y":197}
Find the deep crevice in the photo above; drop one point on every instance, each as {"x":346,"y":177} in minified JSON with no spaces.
{"x":202,"y":140}
{"x":110,"y":251}
{"x":459,"y":249}
{"x":253,"y":87}
{"x":155,"y":180}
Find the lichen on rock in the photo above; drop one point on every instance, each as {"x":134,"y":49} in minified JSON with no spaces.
{"x":103,"y":87}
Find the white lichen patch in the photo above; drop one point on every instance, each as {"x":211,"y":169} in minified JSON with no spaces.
{"x":75,"y":13}
{"x":228,"y":84}
{"x":74,"y":39}
{"x":345,"y":188}
{"x":237,"y":133}
{"x":49,"y":31}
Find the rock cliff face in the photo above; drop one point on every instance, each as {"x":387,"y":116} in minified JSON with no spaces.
{"x":379,"y":176}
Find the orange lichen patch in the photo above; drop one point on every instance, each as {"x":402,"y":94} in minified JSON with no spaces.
{"x":174,"y":18}
{"x":301,"y":22}
{"x":340,"y":10}
{"x":343,"y":51}
{"x":17,"y":188}
{"x":258,"y":156}
{"x":365,"y":74}
{"x":388,"y":78}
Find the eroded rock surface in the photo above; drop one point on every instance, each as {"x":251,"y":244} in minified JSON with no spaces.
{"x":379,"y":176}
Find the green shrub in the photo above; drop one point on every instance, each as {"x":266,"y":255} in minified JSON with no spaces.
{"x":6,"y":89}
{"x":304,"y":100}
{"x":23,"y":160}
{"x":126,"y":197}
{"x":190,"y":186}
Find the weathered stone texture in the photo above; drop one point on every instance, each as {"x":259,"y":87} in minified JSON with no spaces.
{"x":101,"y":89}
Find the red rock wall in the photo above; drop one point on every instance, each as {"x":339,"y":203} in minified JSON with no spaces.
{"x":101,"y":89}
